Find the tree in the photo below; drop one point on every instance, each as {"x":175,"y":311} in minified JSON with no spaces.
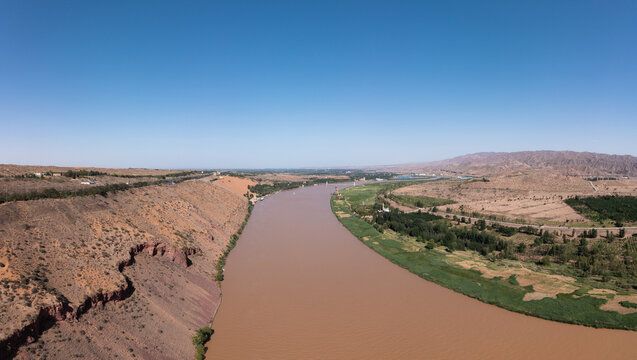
{"x":582,"y":248}
{"x":521,"y":247}
{"x":481,"y":224}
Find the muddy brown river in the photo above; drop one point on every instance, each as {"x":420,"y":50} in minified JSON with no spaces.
{"x":300,"y":286}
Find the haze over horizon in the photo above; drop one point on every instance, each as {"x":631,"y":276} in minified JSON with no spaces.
{"x":288,"y":84}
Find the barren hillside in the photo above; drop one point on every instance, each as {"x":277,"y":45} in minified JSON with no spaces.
{"x":533,"y":197}
{"x":145,"y":258}
{"x":557,"y":162}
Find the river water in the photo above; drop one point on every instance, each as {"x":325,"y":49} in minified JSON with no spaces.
{"x":300,"y":286}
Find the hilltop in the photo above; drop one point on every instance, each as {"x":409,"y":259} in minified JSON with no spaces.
{"x":569,"y":163}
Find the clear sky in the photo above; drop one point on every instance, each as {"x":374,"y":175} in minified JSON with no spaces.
{"x":178,"y":84}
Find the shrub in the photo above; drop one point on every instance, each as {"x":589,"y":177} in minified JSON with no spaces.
{"x":628,"y":304}
{"x":200,"y":338}
{"x":513,"y":280}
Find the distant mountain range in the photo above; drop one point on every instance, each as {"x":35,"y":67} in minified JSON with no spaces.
{"x":557,"y":162}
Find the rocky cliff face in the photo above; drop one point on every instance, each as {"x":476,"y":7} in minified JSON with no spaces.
{"x":62,"y":258}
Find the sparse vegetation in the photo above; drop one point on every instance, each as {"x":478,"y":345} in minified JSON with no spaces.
{"x":221,"y":263}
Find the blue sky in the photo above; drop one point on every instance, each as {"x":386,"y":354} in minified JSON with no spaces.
{"x":178,"y":84}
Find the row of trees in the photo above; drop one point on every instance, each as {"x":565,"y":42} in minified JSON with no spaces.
{"x":52,"y":193}
{"x":428,"y":227}
{"x":82,"y":173}
{"x":265,"y":188}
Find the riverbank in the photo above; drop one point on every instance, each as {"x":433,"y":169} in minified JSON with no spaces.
{"x":202,"y":337}
{"x":514,"y":285}
{"x":299,"y":285}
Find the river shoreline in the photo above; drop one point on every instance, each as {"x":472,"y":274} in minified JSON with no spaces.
{"x":300,"y":285}
{"x":573,"y":305}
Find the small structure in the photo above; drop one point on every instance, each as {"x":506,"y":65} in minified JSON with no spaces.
{"x":89,"y":182}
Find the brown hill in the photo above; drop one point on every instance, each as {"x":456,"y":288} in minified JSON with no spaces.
{"x":558,"y":162}
{"x":146,"y":256}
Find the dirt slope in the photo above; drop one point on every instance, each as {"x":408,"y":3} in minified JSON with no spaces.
{"x":146,"y":255}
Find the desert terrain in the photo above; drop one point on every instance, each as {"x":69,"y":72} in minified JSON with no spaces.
{"x":569,"y":163}
{"x":534,"y":197}
{"x":129,"y":274}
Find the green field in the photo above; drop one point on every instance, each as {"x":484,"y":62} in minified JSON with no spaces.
{"x":439,"y":266}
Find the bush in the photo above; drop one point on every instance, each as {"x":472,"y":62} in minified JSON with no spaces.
{"x":628,"y":304}
{"x":513,"y":280}
{"x":200,"y":338}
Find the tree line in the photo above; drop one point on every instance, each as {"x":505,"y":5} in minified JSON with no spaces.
{"x":428,"y":227}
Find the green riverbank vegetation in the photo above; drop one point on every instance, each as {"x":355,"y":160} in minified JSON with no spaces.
{"x":579,"y":280}
{"x":199,"y":340}
{"x":233,"y":242}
